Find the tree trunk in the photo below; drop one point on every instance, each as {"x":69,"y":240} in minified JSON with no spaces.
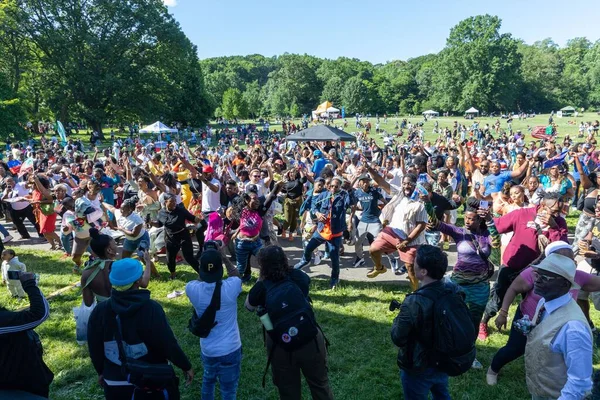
{"x":96,"y":126}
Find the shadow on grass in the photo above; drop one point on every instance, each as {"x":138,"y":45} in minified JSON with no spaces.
{"x":355,"y":319}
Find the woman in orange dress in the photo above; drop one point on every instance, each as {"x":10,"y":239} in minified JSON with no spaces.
{"x":43,"y":208}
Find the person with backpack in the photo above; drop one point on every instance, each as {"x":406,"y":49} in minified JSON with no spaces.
{"x":295,"y":343}
{"x":220,"y":344}
{"x":433,"y":330}
{"x":131,"y":320}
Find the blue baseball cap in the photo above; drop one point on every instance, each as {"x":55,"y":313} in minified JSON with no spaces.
{"x":318,"y":153}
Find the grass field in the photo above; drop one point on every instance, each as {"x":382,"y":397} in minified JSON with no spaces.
{"x":362,"y":358}
{"x":564,"y":127}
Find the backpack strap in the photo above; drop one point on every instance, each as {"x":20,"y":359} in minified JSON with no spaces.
{"x":269,"y":359}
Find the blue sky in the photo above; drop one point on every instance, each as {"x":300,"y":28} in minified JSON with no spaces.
{"x":375,"y":31}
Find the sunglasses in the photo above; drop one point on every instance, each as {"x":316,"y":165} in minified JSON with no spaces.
{"x":256,"y":176}
{"x":545,"y":278}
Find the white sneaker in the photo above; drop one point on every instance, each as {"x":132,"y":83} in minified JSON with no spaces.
{"x":491,"y":377}
{"x":317,"y":258}
{"x":7,"y":239}
{"x":359,"y":262}
{"x":476,"y":364}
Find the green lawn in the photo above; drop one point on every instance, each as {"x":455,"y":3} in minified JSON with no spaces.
{"x":355,"y":319}
{"x":564,"y":127}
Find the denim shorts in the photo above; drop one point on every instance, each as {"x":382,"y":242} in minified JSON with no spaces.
{"x":143,"y":243}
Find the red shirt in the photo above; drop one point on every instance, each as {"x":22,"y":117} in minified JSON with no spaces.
{"x":523,"y":248}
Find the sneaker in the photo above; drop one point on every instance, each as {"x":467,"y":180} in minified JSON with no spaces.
{"x":326,"y":257}
{"x":358,"y":262}
{"x":483,"y":331}
{"x":333,"y":284}
{"x":317,"y":258}
{"x":376,"y":271}
{"x":301,"y":264}
{"x":7,"y":239}
{"x":491,"y":377}
{"x":476,"y":364}
{"x":393,"y":263}
{"x":402,"y":270}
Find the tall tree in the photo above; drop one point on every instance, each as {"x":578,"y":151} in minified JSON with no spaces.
{"x":478,"y":67}
{"x":115,"y":57}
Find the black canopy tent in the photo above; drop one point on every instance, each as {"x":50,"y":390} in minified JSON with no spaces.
{"x":321,"y":133}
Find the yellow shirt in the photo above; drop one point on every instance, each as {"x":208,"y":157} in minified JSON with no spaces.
{"x":186,"y":192}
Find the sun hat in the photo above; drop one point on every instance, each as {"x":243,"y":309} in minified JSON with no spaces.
{"x":560,"y":265}
{"x":211,"y":266}
{"x":124,"y":272}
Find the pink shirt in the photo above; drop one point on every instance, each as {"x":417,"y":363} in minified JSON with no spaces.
{"x":250,"y":223}
{"x":531,"y":299}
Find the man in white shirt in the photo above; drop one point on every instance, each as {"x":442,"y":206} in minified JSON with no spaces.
{"x":558,"y":354}
{"x":404,"y":226}
{"x":19,"y":208}
{"x":222,"y":348}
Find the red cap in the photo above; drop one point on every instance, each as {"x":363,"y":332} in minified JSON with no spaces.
{"x":208,"y":169}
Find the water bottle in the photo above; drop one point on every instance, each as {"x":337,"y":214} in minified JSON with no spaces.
{"x":264,"y":318}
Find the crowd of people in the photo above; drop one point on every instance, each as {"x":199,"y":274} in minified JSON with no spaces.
{"x":243,"y":193}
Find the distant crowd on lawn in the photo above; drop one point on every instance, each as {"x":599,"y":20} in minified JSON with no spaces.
{"x":244,"y":192}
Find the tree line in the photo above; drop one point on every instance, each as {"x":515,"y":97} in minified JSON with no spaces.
{"x":123,"y":61}
{"x":479,"y":66}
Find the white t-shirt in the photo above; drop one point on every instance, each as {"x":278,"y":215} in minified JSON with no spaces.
{"x":211,"y":201}
{"x":224,"y":338}
{"x":260,"y":186}
{"x":406,"y":215}
{"x":129,"y":223}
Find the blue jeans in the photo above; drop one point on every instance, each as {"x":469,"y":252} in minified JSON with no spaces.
{"x":418,"y":385}
{"x":67,"y":242}
{"x":3,"y":231}
{"x":333,"y":246}
{"x":143,"y":243}
{"x":227,"y":370}
{"x":243,"y":250}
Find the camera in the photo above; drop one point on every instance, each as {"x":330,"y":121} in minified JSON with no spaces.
{"x":395,"y":305}
{"x":212,"y":245}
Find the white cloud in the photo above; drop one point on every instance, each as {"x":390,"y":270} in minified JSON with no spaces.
{"x":170,"y":3}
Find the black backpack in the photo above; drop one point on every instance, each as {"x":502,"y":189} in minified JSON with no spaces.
{"x":291,"y":314}
{"x":454,"y":335}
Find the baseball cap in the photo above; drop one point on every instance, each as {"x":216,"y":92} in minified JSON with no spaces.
{"x":364,"y":176}
{"x":124,"y":272}
{"x":559,"y":265}
{"x":211,"y":266}
{"x":208,"y":169}
{"x":317,"y":153}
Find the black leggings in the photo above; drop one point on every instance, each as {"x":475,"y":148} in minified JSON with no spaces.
{"x":513,"y":349}
{"x":506,"y":276}
{"x":183,"y":241}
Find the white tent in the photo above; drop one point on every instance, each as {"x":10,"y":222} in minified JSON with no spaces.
{"x":333,"y":110}
{"x":471,"y":111}
{"x":431,"y":113}
{"x":157,"y":127}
